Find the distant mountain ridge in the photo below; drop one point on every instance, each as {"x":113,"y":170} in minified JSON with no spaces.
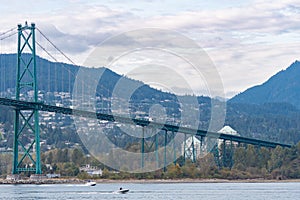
{"x":257,"y":115}
{"x":283,"y":87}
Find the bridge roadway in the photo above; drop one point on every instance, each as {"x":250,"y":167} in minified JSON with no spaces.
{"x":23,"y":105}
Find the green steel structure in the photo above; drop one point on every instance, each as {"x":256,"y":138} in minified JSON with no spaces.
{"x":152,"y":144}
{"x":26,"y":149}
{"x":26,"y":155}
{"x":170,"y":130}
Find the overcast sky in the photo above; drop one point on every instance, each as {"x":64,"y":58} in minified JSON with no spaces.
{"x":248,"y":40}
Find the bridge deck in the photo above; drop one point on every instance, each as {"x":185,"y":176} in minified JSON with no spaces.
{"x":23,"y":105}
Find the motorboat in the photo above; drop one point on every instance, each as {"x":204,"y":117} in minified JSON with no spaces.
{"x":90,"y":183}
{"x":123,"y":191}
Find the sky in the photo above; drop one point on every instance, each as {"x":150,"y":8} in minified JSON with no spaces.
{"x":247,"y":40}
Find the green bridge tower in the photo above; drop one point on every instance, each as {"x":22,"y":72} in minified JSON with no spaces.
{"x":26,"y":149}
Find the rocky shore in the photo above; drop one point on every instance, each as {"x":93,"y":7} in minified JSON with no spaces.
{"x":79,"y":181}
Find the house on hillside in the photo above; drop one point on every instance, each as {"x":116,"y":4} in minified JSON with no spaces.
{"x":91,"y":170}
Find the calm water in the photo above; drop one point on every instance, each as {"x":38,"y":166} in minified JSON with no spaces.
{"x":165,"y":191}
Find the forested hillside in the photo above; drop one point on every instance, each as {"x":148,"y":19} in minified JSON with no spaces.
{"x":283,"y":87}
{"x":275,"y":121}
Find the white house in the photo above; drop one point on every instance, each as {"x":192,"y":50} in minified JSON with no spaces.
{"x":91,"y":170}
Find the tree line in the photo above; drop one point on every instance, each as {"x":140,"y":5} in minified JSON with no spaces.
{"x":248,"y":162}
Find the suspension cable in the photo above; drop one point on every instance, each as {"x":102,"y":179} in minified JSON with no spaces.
{"x":13,"y":31}
{"x":60,"y":51}
{"x":7,"y":36}
{"x":44,"y":49}
{"x":9,"y":30}
{"x":47,"y":52}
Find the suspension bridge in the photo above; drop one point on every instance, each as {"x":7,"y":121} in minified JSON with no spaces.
{"x":22,"y":92}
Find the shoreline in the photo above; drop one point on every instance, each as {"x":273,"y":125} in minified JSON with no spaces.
{"x":141,"y":181}
{"x":196,"y":181}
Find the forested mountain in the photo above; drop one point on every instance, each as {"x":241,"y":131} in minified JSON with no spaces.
{"x":270,"y":110}
{"x":283,"y":87}
{"x":269,"y":121}
{"x":276,"y":119}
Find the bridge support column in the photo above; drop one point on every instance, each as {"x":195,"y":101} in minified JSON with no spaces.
{"x":26,"y":155}
{"x":231,"y":154}
{"x":216,"y":153}
{"x":193,"y":150}
{"x":174,"y":147}
{"x":200,"y":148}
{"x":224,"y":153}
{"x":156,"y":150}
{"x":165,"y":150}
{"x":184,"y":148}
{"x":143,"y":148}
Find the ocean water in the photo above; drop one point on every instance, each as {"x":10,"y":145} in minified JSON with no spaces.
{"x":155,"y":191}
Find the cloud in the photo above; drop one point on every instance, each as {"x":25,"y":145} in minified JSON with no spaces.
{"x":248,"y":42}
{"x":258,"y":17}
